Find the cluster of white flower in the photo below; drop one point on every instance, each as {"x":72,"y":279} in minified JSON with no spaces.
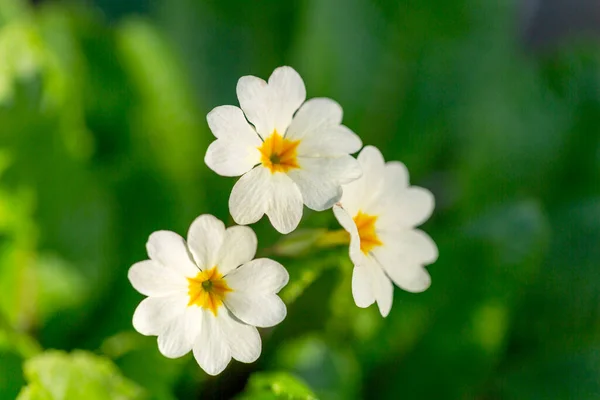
{"x":208,"y":295}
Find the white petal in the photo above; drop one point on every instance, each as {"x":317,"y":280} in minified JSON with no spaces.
{"x":396,"y":176}
{"x":205,"y":238}
{"x":288,"y":94}
{"x":153,"y":314}
{"x":211,"y":350}
{"x":256,"y":99}
{"x":382,"y":288}
{"x":258,"y":276}
{"x":285,"y":205}
{"x":409,"y":208}
{"x":330,"y":142}
{"x":314,"y":115}
{"x":229,"y":124}
{"x":239,"y":246}
{"x":236,"y":151}
{"x":173,"y":341}
{"x":169,"y":249}
{"x":348,"y":224}
{"x":369,"y":282}
{"x":151,"y":278}
{"x":194,"y":316}
{"x":407,"y":273}
{"x":231,"y":158}
{"x":243,"y":340}
{"x":320,"y":179}
{"x":362,"y":287}
{"x":410,"y":277}
{"x":345,"y":220}
{"x":258,"y":309}
{"x":373,"y":166}
{"x":364,"y":192}
{"x":250,"y":196}
{"x":412,"y":244}
{"x":354,"y":196}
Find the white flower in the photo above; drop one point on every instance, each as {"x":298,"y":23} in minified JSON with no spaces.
{"x":380,"y":211}
{"x":207,"y":295}
{"x":285,"y":160}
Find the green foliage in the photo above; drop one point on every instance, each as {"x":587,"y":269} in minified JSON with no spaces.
{"x":276,"y":385}
{"x":56,"y":375}
{"x":330,"y":370}
{"x":138,"y":357}
{"x":102,"y":139}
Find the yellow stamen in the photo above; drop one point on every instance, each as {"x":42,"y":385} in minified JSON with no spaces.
{"x":366,"y":231}
{"x":208,"y":289}
{"x":279,"y":154}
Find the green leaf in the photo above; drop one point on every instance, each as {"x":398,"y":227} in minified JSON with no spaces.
{"x":331,"y":370}
{"x":11,"y":374}
{"x":17,"y":252}
{"x":167,"y":104}
{"x":303,"y":273}
{"x":139,"y":359}
{"x":276,"y":385}
{"x":58,"y":286}
{"x":22,"y":53}
{"x":10,"y":9}
{"x":56,"y":375}
{"x":40,"y":91}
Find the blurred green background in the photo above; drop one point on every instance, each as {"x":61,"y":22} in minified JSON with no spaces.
{"x":102,"y":140}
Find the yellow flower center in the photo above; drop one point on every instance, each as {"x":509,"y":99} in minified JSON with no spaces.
{"x":208,"y":289}
{"x":279,"y":154}
{"x":366,"y":231}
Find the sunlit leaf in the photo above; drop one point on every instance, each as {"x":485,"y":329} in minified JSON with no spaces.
{"x":57,"y":375}
{"x":139,"y":359}
{"x":331,"y":371}
{"x":276,"y":385}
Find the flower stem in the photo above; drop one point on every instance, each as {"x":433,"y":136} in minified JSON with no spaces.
{"x":333,"y":239}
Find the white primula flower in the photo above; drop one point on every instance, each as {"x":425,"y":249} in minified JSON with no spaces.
{"x":285,"y":159}
{"x":207,"y":295}
{"x":380,"y":211}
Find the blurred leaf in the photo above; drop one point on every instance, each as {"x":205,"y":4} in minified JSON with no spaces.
{"x":11,"y":9}
{"x":303,"y":273}
{"x":139,"y":360}
{"x":71,"y":208}
{"x":15,"y":347}
{"x":58,"y":286}
{"x":11,"y":373}
{"x":298,"y":243}
{"x":22,"y":344}
{"x":56,"y":375}
{"x":23,"y":55}
{"x":335,"y":48}
{"x":63,"y":92}
{"x":276,"y":385}
{"x":331,"y":371}
{"x":167,"y":105}
{"x":225,"y":33}
{"x":17,"y":253}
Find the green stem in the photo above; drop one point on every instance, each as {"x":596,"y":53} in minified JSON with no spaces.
{"x":333,"y":239}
